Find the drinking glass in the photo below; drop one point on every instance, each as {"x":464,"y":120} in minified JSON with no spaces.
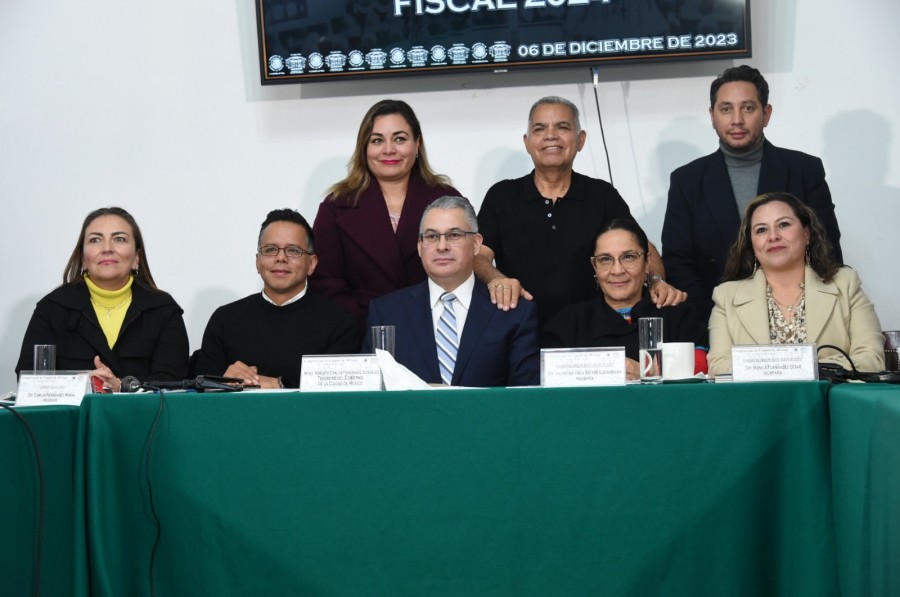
{"x":384,"y":337}
{"x":650,"y":336}
{"x":45,"y":358}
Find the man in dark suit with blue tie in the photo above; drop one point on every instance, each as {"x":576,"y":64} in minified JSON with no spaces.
{"x":707,"y":197}
{"x":447,"y":329}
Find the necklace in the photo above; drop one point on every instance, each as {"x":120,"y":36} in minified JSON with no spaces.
{"x":109,"y":310}
{"x":789,"y":306}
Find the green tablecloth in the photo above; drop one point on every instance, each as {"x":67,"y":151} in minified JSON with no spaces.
{"x":54,"y":428}
{"x":669,"y":490}
{"x":865,"y":431}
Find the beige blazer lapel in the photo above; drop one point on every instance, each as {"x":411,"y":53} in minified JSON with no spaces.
{"x":752,"y":310}
{"x":821,"y":299}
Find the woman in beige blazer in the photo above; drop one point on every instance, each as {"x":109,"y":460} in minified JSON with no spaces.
{"x":782,"y":286}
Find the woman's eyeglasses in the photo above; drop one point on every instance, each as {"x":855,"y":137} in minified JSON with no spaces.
{"x":628,"y":260}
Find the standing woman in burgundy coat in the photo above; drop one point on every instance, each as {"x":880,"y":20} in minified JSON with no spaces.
{"x":367,"y":227}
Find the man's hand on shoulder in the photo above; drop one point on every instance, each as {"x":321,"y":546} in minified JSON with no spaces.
{"x":505,"y":292}
{"x":666,"y":295}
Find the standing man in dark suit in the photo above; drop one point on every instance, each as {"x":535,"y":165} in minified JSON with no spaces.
{"x":707,"y":197}
{"x":447,"y":329}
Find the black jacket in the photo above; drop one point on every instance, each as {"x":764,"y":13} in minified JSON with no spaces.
{"x":702,"y":218}
{"x":596,"y":324}
{"x":152,"y":343}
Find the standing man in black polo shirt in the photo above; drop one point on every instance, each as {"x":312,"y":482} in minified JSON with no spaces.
{"x":540,"y":228}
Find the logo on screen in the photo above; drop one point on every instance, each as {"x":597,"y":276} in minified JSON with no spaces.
{"x":500,"y":51}
{"x":398,"y":56}
{"x":438,"y":54}
{"x":418,"y":55}
{"x":276,"y":63}
{"x":459,"y":53}
{"x":479,"y":51}
{"x":295,"y":63}
{"x":356,"y":59}
{"x":316,"y":61}
{"x":335,"y":61}
{"x":376,"y":58}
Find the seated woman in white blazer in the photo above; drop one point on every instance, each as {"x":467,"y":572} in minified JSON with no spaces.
{"x":783,"y":287}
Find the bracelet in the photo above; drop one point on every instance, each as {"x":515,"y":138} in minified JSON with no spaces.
{"x":280,"y":383}
{"x":653,"y":279}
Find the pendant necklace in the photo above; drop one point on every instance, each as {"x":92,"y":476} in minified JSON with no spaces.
{"x":109,"y":310}
{"x":796,"y":301}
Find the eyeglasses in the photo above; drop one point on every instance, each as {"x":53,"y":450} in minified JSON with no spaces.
{"x":454,"y":237}
{"x":628,"y":260}
{"x":291,"y":252}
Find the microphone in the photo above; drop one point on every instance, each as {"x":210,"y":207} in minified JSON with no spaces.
{"x":200,"y":383}
{"x":130,"y":384}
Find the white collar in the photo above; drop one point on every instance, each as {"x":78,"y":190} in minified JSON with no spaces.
{"x":293,"y":299}
{"x":463,"y":292}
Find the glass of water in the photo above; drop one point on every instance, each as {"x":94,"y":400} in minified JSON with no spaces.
{"x":650,"y":338}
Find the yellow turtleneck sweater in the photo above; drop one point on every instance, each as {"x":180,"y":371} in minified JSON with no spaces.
{"x":110,"y":307}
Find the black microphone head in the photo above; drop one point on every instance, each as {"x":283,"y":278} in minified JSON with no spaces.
{"x":130,"y":383}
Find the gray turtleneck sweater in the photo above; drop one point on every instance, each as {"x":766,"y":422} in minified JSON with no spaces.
{"x":743,"y":170}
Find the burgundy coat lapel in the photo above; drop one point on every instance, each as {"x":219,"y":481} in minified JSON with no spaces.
{"x":369,"y":226}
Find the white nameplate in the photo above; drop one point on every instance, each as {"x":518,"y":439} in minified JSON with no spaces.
{"x":776,"y":362}
{"x":53,"y":389}
{"x":339,"y":373}
{"x":571,"y":367}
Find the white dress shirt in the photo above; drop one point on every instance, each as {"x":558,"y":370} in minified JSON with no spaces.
{"x":463,"y":294}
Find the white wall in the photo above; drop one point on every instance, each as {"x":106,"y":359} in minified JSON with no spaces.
{"x":157,"y":106}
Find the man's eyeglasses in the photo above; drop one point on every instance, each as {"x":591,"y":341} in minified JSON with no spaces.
{"x":628,"y":260}
{"x":291,"y":252}
{"x":454,"y":237}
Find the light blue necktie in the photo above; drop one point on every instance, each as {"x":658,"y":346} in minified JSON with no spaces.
{"x":447,"y":338}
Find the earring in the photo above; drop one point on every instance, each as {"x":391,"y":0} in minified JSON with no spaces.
{"x":84,"y":272}
{"x":134,"y":272}
{"x":596,"y":281}
{"x":807,"y":257}
{"x":755,"y":266}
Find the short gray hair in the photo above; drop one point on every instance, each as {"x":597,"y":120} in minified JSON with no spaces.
{"x":555,"y":100}
{"x":450,"y":202}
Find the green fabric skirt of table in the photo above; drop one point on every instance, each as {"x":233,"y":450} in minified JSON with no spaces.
{"x":865,"y":431}
{"x":54,"y":428}
{"x":667,"y":490}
